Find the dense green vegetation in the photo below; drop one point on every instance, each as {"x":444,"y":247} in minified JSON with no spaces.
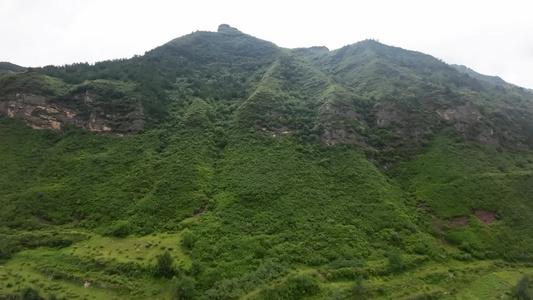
{"x":6,"y":67}
{"x":368,"y":172}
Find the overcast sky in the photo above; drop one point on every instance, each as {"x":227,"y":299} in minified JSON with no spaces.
{"x":491,"y":37}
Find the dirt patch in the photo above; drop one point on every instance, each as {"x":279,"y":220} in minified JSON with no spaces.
{"x":459,"y":221}
{"x":424,"y":207}
{"x":199,"y":212}
{"x":436,"y":225}
{"x":77,"y":217}
{"x":42,"y":220}
{"x":487,"y":217}
{"x":322,"y":275}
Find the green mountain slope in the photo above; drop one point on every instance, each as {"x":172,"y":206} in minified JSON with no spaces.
{"x":220,"y":166}
{"x":6,"y":67}
{"x":474,"y":74}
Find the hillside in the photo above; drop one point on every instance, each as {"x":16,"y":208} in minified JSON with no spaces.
{"x":491,"y":79}
{"x":221,"y":166}
{"x":6,"y":67}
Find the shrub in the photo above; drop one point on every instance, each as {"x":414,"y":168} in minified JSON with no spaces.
{"x":396,"y":262}
{"x":521,"y":290}
{"x":119,"y":229}
{"x":358,"y":289}
{"x":184,"y":288}
{"x":164,"y":267}
{"x":188,"y":238}
{"x":306,"y":285}
{"x":300,"y":287}
{"x":29,"y":293}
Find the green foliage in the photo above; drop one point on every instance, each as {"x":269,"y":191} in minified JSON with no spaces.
{"x":521,"y":290}
{"x":29,"y":293}
{"x":30,"y":82}
{"x":188,"y":238}
{"x":52,"y":297}
{"x":299,"y":287}
{"x":395,"y":260}
{"x":165,"y":265}
{"x":184,"y":288}
{"x":458,"y":178}
{"x":11,"y":242}
{"x":6,"y":67}
{"x":358,"y":290}
{"x":120,"y":229}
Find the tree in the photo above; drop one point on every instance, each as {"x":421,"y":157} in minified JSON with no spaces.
{"x":164,"y":267}
{"x":188,"y":238}
{"x":521,"y":290}
{"x":184,"y":288}
{"x":358,"y":289}
{"x":29,"y":293}
{"x":396,"y":261}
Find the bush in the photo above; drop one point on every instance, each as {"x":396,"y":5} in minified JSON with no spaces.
{"x":184,"y":288}
{"x":396,"y":262}
{"x":358,"y":289}
{"x":521,"y":291}
{"x":29,"y":293}
{"x":300,"y":287}
{"x":164,"y":267}
{"x":119,"y":229}
{"x":188,"y":238}
{"x":306,"y":285}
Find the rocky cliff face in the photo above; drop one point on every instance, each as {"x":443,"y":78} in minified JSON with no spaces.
{"x":338,"y":125}
{"x":41,"y":112}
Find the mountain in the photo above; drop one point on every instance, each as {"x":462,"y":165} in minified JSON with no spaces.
{"x":221,"y":166}
{"x":6,"y":67}
{"x":474,"y":74}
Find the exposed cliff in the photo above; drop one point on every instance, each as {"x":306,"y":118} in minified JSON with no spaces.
{"x":87,"y":106}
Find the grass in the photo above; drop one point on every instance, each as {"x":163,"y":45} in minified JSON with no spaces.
{"x":144,"y":250}
{"x":122,"y":265}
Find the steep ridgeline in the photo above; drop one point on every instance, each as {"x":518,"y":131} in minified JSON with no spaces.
{"x":6,"y":67}
{"x":490,"y":79}
{"x":265,"y":173}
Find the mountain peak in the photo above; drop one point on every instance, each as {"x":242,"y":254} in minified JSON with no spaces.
{"x":226,"y":28}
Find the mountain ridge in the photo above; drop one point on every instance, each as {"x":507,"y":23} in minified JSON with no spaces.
{"x":220,"y":166}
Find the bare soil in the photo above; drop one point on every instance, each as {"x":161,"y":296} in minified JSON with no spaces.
{"x":77,"y":217}
{"x":41,"y":220}
{"x":459,"y":221}
{"x":487,"y":217}
{"x":199,"y":212}
{"x":423,"y":206}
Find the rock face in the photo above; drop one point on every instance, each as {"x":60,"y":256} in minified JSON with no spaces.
{"x":467,"y":122}
{"x":223,"y":27}
{"x":39,"y":112}
{"x":463,"y":113}
{"x":332,"y":137}
{"x":337,"y":128}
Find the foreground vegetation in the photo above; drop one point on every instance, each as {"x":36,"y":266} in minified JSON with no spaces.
{"x":327,"y":224}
